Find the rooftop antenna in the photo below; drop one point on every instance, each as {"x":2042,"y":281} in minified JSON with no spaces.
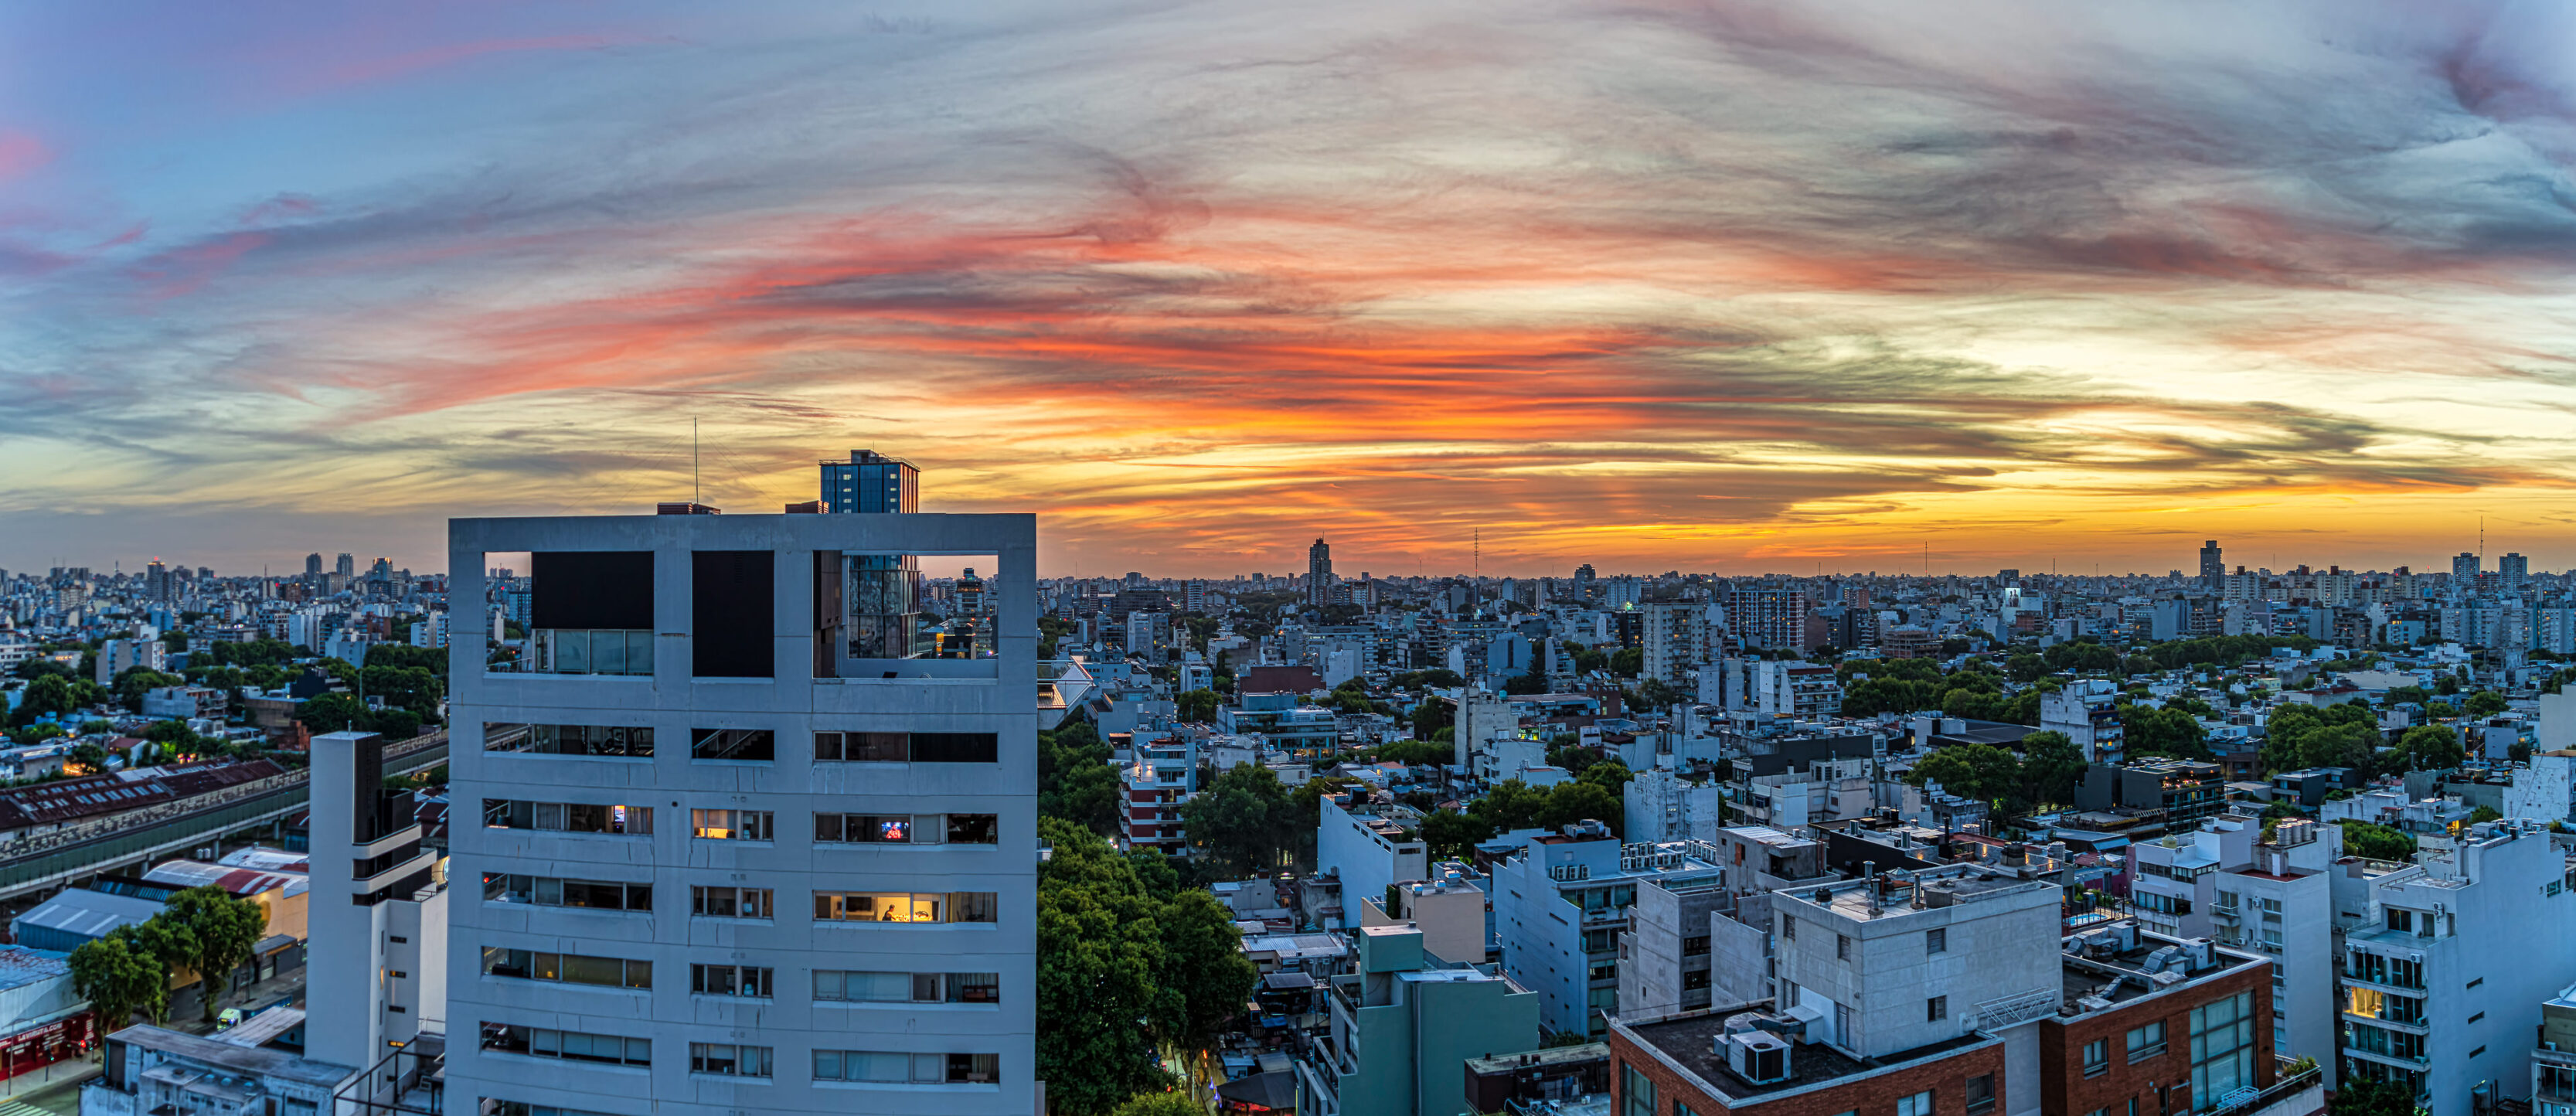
{"x":693,"y":461}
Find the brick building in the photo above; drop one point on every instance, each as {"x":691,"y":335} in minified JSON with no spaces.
{"x":1949,"y":992}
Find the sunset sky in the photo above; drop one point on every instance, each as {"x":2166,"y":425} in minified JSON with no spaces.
{"x":1729,"y":287}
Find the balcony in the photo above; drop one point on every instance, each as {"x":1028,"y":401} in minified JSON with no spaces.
{"x":2294,"y":1094}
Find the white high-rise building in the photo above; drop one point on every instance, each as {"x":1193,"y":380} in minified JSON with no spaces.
{"x":377,"y":964}
{"x":724,"y":864}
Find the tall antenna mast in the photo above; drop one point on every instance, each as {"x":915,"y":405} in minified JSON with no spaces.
{"x":693,"y":461}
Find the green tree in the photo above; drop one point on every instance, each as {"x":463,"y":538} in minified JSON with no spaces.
{"x":2376,"y":842}
{"x":90,"y":756}
{"x":1099,"y":957}
{"x":1174,"y":1103}
{"x":2429,"y":748}
{"x":1656,"y":694}
{"x":49,"y":693}
{"x":1129,"y":963}
{"x":2051,"y":765}
{"x":2484,"y":814}
{"x":131,"y":684}
{"x":1197,"y":706}
{"x":2358,"y":1095}
{"x":119,"y":982}
{"x":1452,"y":835}
{"x":1628,"y":661}
{"x":1610,"y":775}
{"x":2162,"y":732}
{"x":1568,"y":803}
{"x":1432,"y":714}
{"x":1075,"y":780}
{"x":1242,"y":819}
{"x":1976,"y":771}
{"x":221,"y":931}
{"x":1511,"y":804}
{"x":2484,"y":703}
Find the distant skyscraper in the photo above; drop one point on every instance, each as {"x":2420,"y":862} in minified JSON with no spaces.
{"x":347,"y":567}
{"x":156,"y":581}
{"x":2464,"y":570}
{"x":1319,"y":574}
{"x":871,"y":482}
{"x":1584,"y":577}
{"x":2212,"y":568}
{"x":313,"y":565}
{"x":2513,"y":571}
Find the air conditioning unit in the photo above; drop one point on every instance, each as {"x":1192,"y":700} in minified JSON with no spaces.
{"x":1759,"y":1057}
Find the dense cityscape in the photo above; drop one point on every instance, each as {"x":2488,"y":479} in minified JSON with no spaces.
{"x":1316,"y":841}
{"x":1192,"y":558}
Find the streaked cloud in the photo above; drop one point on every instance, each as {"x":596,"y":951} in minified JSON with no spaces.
{"x":1698,"y":286}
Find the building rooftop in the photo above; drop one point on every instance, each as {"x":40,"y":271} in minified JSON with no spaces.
{"x":247,"y":1061}
{"x":21,"y":966}
{"x":1690,"y":1040}
{"x":2116,"y":963}
{"x":1530,"y":1059}
{"x":90,"y":914}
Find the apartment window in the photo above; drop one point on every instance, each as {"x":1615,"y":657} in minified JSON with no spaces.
{"x":746,"y":745}
{"x":567,"y":817}
{"x":566,"y":968}
{"x":1936,"y":1009}
{"x":746,"y":981}
{"x":1842,"y":947}
{"x":2401,"y":920}
{"x":568,"y":740}
{"x":2097,"y":1057}
{"x":577,"y":1046}
{"x":1936,"y":941}
{"x":1981,"y":1093}
{"x":731,"y":902}
{"x":902,"y":906}
{"x":2146,"y":1042}
{"x":1695,"y":947}
{"x":728,"y":1060}
{"x":863,"y":987}
{"x":2222,"y":1046}
{"x":548,"y":891}
{"x":907,"y":747}
{"x":890,"y":1067}
{"x":1638,"y":1092}
{"x":1694,"y":980}
{"x":1920,"y":1104}
{"x":1788,"y":928}
{"x":906,"y":829}
{"x":733,"y":825}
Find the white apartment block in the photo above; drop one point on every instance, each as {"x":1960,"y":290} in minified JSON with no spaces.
{"x":2448,"y":956}
{"x":2280,"y":904}
{"x":747,"y":843}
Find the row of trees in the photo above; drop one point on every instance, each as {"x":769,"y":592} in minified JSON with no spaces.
{"x":205,"y":930}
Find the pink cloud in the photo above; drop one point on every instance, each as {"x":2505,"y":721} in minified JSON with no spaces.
{"x":20,"y":154}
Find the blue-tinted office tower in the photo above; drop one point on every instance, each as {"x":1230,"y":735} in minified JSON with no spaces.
{"x":881,"y":613}
{"x":871,"y":482}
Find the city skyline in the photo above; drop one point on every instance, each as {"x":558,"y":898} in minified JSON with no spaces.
{"x":1781,"y":287}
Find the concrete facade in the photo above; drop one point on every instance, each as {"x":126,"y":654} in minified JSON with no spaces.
{"x":735,"y":872}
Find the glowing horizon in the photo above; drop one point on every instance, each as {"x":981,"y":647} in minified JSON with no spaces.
{"x":1718,"y":287}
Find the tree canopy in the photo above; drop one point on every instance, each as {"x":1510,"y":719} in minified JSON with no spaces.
{"x":1129,"y":963}
{"x":1075,"y":781}
{"x":1243,"y":820}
